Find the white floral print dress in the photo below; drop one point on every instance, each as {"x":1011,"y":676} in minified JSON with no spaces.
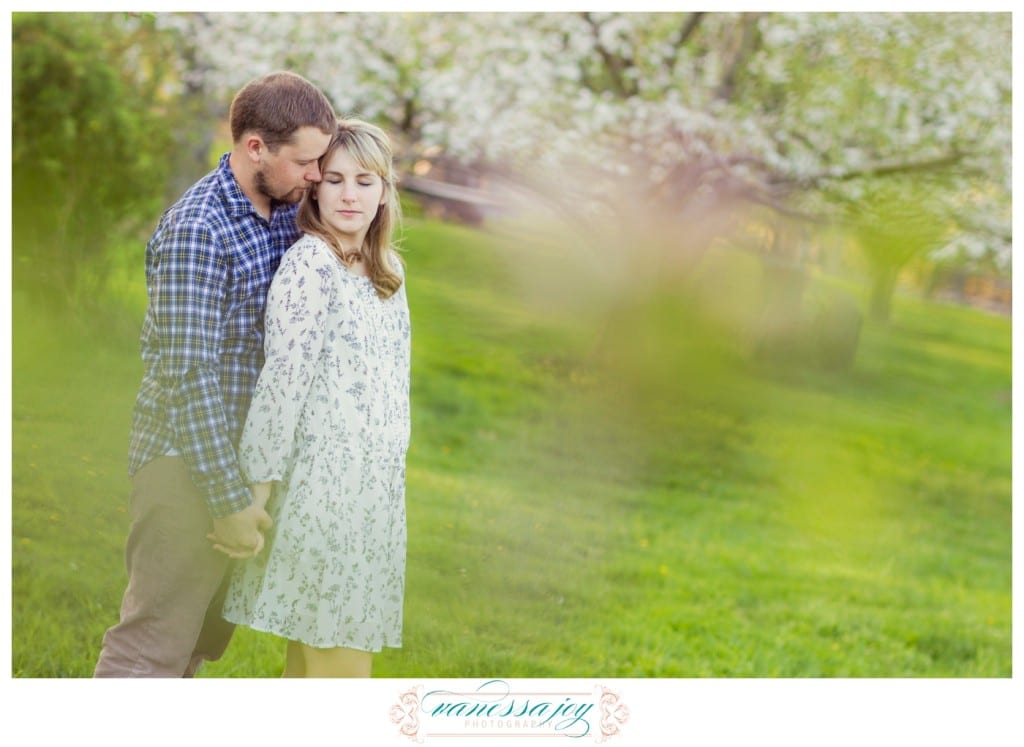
{"x":329,"y":421}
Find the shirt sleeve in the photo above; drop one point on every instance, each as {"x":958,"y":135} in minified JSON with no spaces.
{"x":188,"y":291}
{"x":296,"y":320}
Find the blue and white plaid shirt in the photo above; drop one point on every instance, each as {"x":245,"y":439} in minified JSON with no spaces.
{"x":208,"y":268}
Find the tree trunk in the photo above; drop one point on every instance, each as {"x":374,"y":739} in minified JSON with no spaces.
{"x":882,"y":289}
{"x":779,"y":324}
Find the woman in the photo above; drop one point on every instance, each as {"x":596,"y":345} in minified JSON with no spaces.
{"x":327,"y":432}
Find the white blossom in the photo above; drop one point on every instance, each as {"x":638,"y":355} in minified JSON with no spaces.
{"x":819,"y":97}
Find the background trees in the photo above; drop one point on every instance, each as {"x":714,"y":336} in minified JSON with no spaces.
{"x":90,"y":143}
{"x":813,"y":115}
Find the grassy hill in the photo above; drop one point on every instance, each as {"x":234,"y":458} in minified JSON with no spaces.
{"x":598,"y":485}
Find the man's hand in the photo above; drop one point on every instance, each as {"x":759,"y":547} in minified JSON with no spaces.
{"x":240,"y":535}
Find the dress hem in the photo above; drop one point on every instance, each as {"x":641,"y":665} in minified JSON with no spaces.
{"x":347,"y":644}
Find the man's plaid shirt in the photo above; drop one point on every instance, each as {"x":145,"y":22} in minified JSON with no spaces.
{"x":208,"y":268}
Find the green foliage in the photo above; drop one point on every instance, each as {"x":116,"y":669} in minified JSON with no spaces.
{"x":895,"y":220}
{"x":584,"y":509}
{"x":90,"y":142}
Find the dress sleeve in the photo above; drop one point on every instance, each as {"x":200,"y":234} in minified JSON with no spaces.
{"x":296,"y":317}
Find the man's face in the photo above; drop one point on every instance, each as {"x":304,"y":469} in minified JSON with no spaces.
{"x":286,"y":176}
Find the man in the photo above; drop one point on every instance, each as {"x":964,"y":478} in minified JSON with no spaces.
{"x":208,"y":268}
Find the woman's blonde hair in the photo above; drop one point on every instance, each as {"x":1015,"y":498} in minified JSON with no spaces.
{"x":371,"y":148}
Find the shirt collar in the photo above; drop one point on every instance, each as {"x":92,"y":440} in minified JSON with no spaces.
{"x":237,"y":203}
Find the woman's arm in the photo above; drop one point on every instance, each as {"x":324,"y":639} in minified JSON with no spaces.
{"x":296,"y":319}
{"x":261,"y":493}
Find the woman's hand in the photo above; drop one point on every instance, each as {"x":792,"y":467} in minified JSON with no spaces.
{"x":240,"y":535}
{"x":226,"y":537}
{"x":261,"y":493}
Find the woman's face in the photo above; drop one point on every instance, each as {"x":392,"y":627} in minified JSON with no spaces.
{"x":348,"y":197}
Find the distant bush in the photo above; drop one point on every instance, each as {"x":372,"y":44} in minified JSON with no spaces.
{"x":90,"y":143}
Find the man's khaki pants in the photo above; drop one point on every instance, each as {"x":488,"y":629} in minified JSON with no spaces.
{"x":170,"y":613}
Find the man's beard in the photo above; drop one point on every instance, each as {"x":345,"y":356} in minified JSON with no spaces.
{"x":289,"y":198}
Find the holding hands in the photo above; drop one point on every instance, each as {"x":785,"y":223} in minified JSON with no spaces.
{"x":240,"y":535}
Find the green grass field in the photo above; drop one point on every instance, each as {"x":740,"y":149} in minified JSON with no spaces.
{"x":598,"y":490}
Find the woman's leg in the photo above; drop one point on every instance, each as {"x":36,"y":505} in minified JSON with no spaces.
{"x":294,"y":663}
{"x":336,"y":662}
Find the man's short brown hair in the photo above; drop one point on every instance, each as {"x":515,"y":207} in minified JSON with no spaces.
{"x":276,"y":105}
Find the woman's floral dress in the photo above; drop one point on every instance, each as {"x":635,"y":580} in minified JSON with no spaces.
{"x":329,"y":421}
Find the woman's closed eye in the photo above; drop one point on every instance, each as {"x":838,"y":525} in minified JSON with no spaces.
{"x":360,"y":182}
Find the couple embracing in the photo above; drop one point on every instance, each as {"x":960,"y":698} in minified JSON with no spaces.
{"x":269,"y":434}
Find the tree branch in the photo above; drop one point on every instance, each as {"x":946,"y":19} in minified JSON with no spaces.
{"x":749,"y":41}
{"x":760,"y":198}
{"x":687,"y":30}
{"x":616,"y":65}
{"x":891,"y":168}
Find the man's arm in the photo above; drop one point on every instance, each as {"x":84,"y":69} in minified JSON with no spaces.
{"x":189,"y":289}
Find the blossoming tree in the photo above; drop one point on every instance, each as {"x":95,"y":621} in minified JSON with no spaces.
{"x":811,"y":115}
